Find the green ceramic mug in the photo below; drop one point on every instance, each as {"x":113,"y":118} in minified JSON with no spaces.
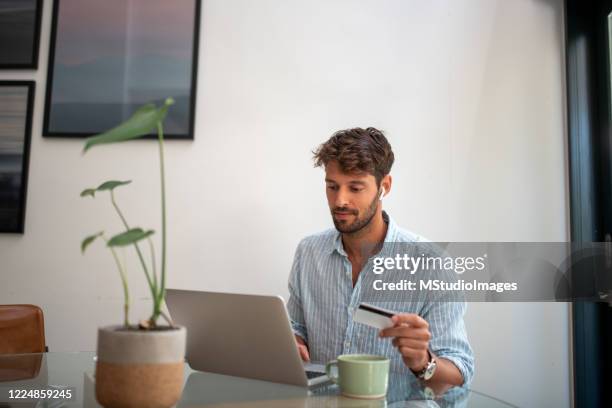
{"x":360,"y":375}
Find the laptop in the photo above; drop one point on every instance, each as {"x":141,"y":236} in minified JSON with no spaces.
{"x":242,"y":335}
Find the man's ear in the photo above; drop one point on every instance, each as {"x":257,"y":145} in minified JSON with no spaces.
{"x":385,"y":185}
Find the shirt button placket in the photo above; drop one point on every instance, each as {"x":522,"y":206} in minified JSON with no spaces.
{"x":349,"y":327}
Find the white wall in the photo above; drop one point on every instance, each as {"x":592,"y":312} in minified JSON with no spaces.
{"x":470,"y":94}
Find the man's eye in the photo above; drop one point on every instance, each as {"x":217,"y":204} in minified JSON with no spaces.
{"x":356,"y":190}
{"x":334,"y":188}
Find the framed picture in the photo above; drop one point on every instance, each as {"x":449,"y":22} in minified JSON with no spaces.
{"x":108,"y":58}
{"x":20,"y":33}
{"x":16,"y":104}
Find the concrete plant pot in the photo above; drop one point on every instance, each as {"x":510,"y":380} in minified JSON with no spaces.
{"x":140,"y":368}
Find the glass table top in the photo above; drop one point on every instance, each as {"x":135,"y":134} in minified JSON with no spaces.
{"x":74,"y":371}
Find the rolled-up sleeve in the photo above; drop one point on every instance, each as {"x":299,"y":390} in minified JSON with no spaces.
{"x":294,"y":305}
{"x":449,"y":338}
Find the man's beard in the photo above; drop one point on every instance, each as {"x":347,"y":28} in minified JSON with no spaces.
{"x":360,"y":222}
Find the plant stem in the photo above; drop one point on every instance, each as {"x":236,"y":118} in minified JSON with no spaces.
{"x":162,"y":289}
{"x":154,"y":269}
{"x":152,"y":285}
{"x":168,"y":319}
{"x":126,"y":293}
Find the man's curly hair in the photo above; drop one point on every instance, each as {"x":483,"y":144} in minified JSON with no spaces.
{"x":357,"y":150}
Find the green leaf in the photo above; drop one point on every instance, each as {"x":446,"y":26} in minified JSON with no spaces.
{"x":112,"y":184}
{"x":89,"y":240}
{"x":129,"y":237}
{"x":140,"y":124}
{"x":88,"y":192}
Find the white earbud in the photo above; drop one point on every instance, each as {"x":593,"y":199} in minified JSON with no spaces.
{"x":382,"y":194}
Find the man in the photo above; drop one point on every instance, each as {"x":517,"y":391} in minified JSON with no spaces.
{"x":428,"y":339}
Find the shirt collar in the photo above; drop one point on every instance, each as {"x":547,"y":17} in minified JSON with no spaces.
{"x":391,"y":235}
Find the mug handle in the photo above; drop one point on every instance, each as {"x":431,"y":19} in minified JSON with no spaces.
{"x":328,"y":367}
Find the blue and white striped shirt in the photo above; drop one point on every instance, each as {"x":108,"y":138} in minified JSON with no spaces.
{"x":322,"y":300}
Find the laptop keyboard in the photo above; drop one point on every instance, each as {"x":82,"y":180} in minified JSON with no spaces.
{"x":313,"y":374}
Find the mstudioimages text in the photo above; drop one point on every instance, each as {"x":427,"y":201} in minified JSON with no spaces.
{"x":440,"y":285}
{"x":412,"y":264}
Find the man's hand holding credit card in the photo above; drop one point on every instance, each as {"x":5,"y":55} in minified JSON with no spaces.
{"x":410,"y":334}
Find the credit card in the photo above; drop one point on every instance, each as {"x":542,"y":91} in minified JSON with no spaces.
{"x":373,"y":316}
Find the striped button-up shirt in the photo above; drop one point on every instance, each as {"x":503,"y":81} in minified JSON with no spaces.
{"x":322,"y":301}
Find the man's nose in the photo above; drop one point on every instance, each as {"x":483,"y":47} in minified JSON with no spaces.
{"x":341,"y":199}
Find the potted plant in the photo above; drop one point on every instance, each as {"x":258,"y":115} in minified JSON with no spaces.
{"x":138,"y":365}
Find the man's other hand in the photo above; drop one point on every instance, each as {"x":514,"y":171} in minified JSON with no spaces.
{"x":302,"y":348}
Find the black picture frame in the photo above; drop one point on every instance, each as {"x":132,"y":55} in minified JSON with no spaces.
{"x":20,"y":33}
{"x":79,"y":122}
{"x":589,"y":122}
{"x":14,"y":154}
